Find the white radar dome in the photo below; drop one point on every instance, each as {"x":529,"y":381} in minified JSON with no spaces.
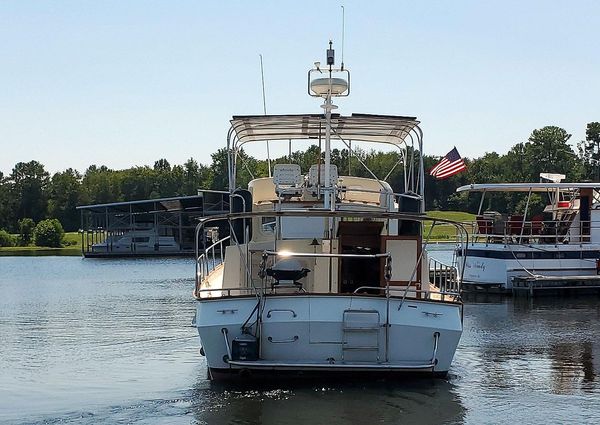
{"x":320,"y":86}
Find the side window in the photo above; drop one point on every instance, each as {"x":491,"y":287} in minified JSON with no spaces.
{"x":268,"y":224}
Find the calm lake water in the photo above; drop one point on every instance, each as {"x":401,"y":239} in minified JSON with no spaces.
{"x":109,"y":341}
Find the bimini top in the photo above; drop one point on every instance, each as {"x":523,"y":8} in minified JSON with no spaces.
{"x":526,"y":187}
{"x":363,"y":127}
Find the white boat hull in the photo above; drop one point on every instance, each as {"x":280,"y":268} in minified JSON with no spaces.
{"x":303,"y":333}
{"x":496,"y":264}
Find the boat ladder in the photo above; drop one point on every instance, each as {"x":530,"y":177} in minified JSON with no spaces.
{"x":360,"y":339}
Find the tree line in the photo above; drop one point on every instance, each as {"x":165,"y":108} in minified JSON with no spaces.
{"x":30,"y":192}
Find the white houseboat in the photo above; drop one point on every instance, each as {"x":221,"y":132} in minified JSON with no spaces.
{"x":139,"y":241}
{"x":562,"y":241}
{"x":323,"y":272}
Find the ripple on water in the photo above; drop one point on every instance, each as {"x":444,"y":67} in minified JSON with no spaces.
{"x":104,"y":342}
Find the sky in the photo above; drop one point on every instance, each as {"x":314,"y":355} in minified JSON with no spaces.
{"x":124,"y":83}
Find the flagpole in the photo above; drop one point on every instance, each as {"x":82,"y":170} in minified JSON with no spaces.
{"x":422,"y":171}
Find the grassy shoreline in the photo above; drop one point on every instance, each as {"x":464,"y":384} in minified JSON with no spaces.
{"x":446,"y":232}
{"x":72,"y":247}
{"x":440,"y":233}
{"x":25,"y":251}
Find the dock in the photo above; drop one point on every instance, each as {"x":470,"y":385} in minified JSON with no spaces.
{"x":531,"y":285}
{"x":150,"y":227}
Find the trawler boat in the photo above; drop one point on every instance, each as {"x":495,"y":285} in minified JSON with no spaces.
{"x":561,"y":240}
{"x":324,"y":272}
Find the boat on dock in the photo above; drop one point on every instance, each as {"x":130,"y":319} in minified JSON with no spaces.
{"x":150,"y":227}
{"x":141,"y":241}
{"x":557,"y":247}
{"x":325,"y":273}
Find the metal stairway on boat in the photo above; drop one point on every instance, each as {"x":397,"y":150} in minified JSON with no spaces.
{"x":360,"y":336}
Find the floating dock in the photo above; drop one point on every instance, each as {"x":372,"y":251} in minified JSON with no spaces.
{"x":551,"y":285}
{"x":151,"y":227}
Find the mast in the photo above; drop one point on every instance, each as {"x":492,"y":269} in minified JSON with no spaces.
{"x":328,"y":106}
{"x":327,"y":88}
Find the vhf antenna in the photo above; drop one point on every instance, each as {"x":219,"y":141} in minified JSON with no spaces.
{"x":262,"y":76}
{"x":343,"y":31}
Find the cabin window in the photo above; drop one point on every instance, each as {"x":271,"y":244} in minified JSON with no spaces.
{"x":268,"y":224}
{"x":302,"y":227}
{"x":141,"y":239}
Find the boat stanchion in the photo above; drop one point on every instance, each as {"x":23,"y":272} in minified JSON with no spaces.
{"x":434,"y":360}
{"x":227,"y":357}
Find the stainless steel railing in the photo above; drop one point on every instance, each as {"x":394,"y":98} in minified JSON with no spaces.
{"x":208,"y":260}
{"x":422,"y":293}
{"x":444,"y":276}
{"x":532,"y":231}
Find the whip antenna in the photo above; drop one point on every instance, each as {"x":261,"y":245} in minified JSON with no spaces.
{"x":343,"y":31}
{"x":262,"y":77}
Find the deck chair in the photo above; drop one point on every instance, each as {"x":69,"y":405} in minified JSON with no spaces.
{"x":484,"y":226}
{"x":288,"y":180}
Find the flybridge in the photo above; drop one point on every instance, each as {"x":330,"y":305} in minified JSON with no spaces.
{"x":395,"y":130}
{"x":401,"y":132}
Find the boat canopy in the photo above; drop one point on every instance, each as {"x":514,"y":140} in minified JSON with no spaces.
{"x":394,"y":130}
{"x":526,"y":187}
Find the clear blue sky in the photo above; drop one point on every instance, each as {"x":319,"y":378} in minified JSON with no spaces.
{"x":125,"y":83}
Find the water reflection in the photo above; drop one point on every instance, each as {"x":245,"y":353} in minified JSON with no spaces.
{"x":573,"y":367}
{"x":422,"y":401}
{"x":103,"y":342}
{"x":538,"y":355}
{"x":82,"y":335}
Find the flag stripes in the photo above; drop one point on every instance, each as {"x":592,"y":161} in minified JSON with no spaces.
{"x":451,"y":164}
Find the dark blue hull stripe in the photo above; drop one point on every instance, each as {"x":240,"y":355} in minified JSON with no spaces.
{"x":532,"y":255}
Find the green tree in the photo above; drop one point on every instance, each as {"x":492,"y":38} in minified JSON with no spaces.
{"x":219,"y":170}
{"x":536,"y":205}
{"x":590,"y":150}
{"x":487,"y":169}
{"x":100,"y":185}
{"x":195,"y":176}
{"x":339,"y":158}
{"x":7,"y":208}
{"x":306,"y":158}
{"x":6,"y":239}
{"x":49,"y":233}
{"x":381,"y":163}
{"x":516,"y":166}
{"x":162,"y":165}
{"x":64,"y":193}
{"x":167,"y":181}
{"x":136,"y":183}
{"x":29,"y":183}
{"x":548,"y":151}
{"x":26,"y":228}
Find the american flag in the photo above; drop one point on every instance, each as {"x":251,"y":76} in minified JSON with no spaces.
{"x":451,"y":164}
